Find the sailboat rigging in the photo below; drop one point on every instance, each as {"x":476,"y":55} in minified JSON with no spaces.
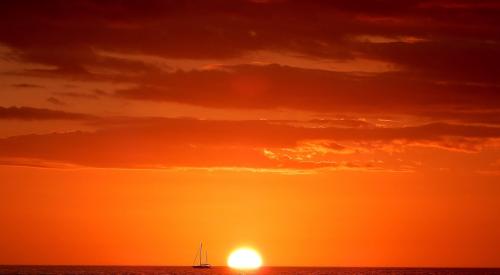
{"x":199,"y":256}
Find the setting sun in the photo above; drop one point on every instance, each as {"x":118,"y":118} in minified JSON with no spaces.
{"x":244,"y":258}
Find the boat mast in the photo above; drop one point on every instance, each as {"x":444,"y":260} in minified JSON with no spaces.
{"x":206,"y":256}
{"x":201,"y":249}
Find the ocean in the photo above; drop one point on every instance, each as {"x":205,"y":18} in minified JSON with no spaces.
{"x":159,"y":270}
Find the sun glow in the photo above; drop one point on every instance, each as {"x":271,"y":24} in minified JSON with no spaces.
{"x":244,"y":258}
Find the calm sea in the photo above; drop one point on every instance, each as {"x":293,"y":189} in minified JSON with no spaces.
{"x":141,"y":270}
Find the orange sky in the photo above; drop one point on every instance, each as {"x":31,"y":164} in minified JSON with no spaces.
{"x":352,"y":133}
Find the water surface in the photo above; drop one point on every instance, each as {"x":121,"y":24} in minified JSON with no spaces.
{"x":159,"y":270}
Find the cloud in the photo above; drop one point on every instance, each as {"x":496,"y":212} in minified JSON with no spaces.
{"x":26,"y":85}
{"x":448,"y":62}
{"x":78,"y":95}
{"x":275,"y":86}
{"x":55,"y":101}
{"x":30,"y":113}
{"x":170,"y":143}
{"x":476,"y":117}
{"x":68,"y":34}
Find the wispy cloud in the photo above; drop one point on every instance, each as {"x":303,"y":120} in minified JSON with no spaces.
{"x":30,"y":113}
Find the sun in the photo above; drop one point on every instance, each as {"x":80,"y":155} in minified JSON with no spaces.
{"x":244,"y":258}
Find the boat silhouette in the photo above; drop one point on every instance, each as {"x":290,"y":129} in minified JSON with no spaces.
{"x":199,"y":256}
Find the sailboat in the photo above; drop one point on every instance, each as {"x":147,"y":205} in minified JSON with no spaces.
{"x":199,"y":256}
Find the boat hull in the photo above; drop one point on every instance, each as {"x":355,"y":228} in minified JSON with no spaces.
{"x":201,"y":266}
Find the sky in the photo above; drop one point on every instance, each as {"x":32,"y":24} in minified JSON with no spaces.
{"x":321,"y":133}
